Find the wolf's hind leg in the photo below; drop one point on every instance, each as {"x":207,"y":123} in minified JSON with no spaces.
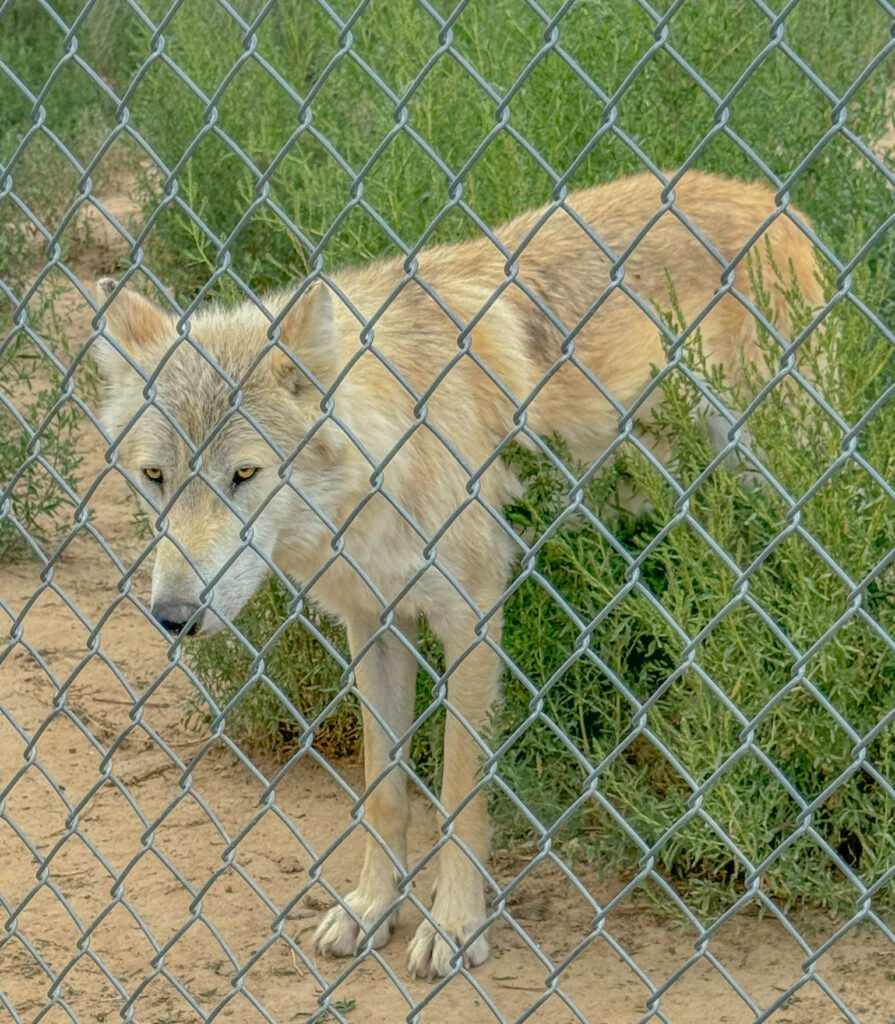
{"x":385,"y":677}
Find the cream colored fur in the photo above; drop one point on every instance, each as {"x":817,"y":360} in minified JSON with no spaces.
{"x":386,"y":495}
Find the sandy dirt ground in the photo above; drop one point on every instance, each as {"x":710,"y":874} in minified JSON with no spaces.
{"x":149,"y":872}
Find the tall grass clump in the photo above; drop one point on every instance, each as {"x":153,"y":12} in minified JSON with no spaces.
{"x":54,"y":116}
{"x":295,"y":690}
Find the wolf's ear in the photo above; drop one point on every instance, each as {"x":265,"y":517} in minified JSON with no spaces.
{"x":133,"y":322}
{"x":309,"y":332}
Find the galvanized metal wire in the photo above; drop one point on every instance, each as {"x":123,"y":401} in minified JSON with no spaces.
{"x":500,"y":893}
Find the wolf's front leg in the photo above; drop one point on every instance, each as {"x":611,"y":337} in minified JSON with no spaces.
{"x":458,"y":908}
{"x":385,"y":677}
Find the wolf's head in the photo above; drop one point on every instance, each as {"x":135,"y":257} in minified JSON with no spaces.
{"x":223,"y":433}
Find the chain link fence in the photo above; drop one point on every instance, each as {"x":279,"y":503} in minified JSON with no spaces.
{"x":627,"y":884}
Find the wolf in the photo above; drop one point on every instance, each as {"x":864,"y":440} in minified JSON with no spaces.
{"x":347,"y":433}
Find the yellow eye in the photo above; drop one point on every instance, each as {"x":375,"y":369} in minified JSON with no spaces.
{"x":244,"y":473}
{"x":154,"y":474}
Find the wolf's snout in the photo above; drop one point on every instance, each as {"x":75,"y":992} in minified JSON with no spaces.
{"x":173,"y":617}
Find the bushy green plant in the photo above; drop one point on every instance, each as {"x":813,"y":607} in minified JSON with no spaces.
{"x":53,"y":116}
{"x":304,"y":671}
{"x":296,"y":666}
{"x":732,"y":663}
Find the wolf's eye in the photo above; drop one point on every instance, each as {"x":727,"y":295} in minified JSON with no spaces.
{"x":154,"y":474}
{"x":244,"y":473}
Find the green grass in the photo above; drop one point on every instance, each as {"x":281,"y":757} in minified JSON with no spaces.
{"x":778,"y":111}
{"x":632,"y":654}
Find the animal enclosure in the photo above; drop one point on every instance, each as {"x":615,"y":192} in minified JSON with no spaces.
{"x":690,"y":774}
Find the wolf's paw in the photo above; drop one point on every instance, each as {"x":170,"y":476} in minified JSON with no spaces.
{"x":342,"y":933}
{"x":429,"y":954}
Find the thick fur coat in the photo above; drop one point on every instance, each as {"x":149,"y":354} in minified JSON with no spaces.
{"x":346,"y":434}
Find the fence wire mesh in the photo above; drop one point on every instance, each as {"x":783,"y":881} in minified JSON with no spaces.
{"x":112,"y":908}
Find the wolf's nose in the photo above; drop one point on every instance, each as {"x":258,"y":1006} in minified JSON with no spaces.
{"x":173,"y":616}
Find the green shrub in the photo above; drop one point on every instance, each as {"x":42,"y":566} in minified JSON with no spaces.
{"x":745,"y":664}
{"x":778,"y":111}
{"x":300,"y":693}
{"x":297,"y":669}
{"x":51,"y":118}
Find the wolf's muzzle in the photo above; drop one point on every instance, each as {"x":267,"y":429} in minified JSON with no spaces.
{"x":173,"y":616}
